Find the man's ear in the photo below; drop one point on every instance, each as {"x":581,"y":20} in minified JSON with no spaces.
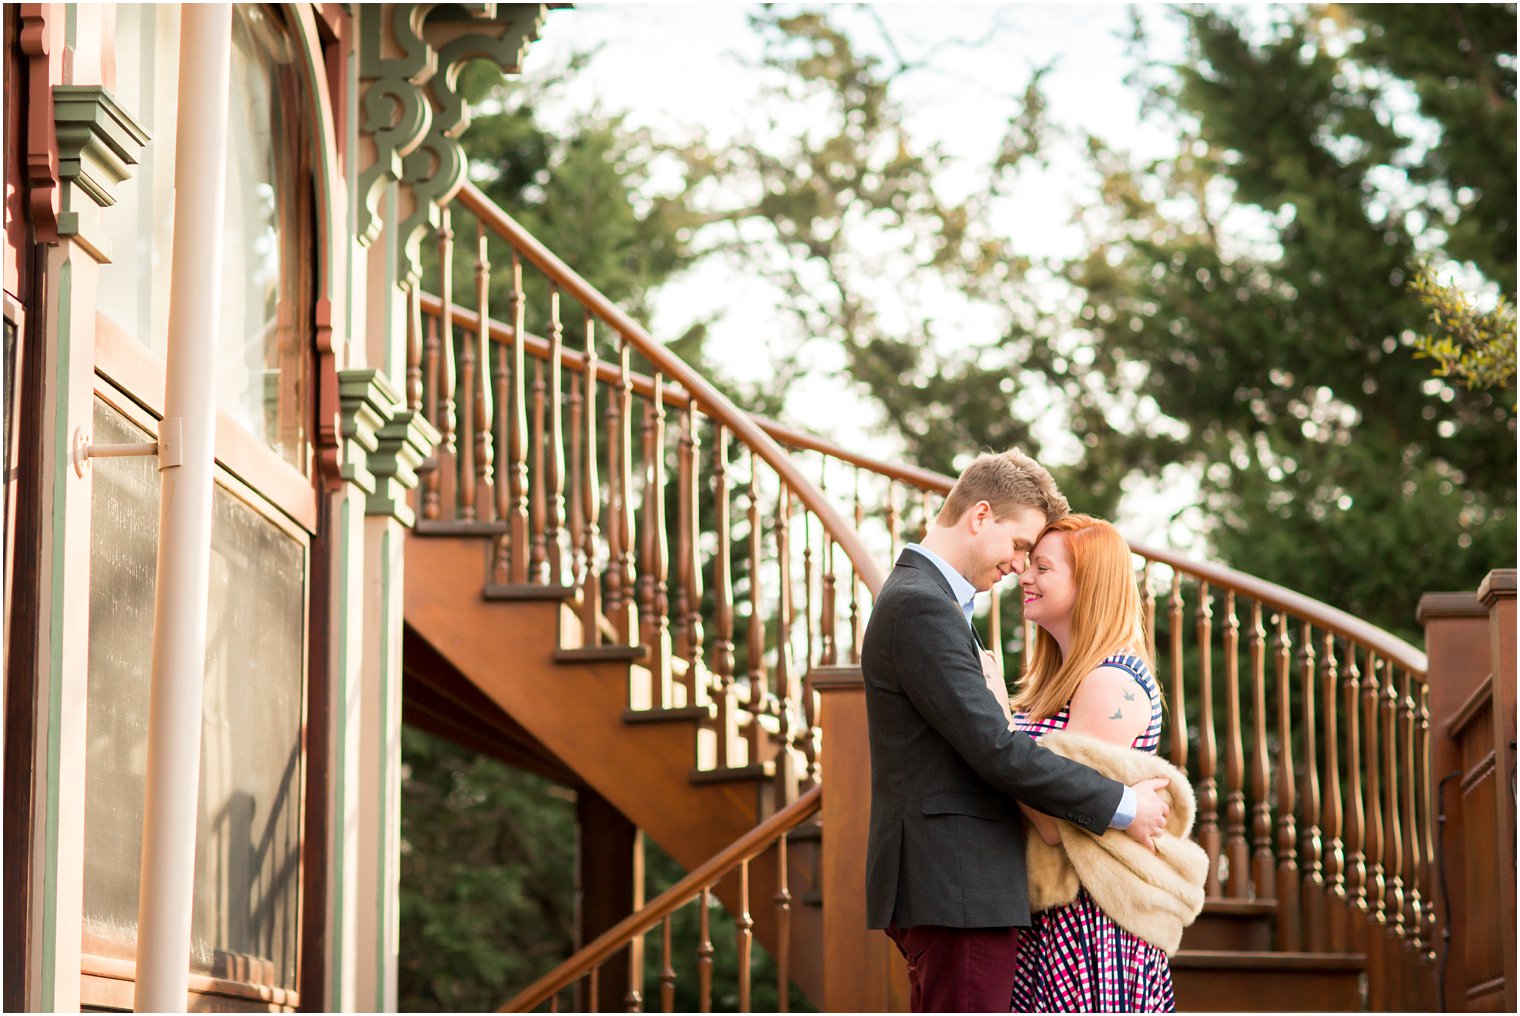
{"x":981,"y":514}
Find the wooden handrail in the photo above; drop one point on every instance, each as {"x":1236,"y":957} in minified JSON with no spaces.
{"x":1388,"y":646}
{"x":713,"y":402}
{"x":705,"y":875}
{"x":1323,"y":615}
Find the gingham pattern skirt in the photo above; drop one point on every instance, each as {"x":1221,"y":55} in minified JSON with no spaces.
{"x":1075,"y":958}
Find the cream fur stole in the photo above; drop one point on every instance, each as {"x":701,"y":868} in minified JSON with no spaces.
{"x":1150,"y":895}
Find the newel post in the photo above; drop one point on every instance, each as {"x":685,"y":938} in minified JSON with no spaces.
{"x":862,"y":969}
{"x":1497,"y":594}
{"x":1470,"y":643}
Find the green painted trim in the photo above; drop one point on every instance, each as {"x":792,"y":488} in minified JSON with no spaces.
{"x":393,"y":359}
{"x":340,"y":742}
{"x":382,"y":869}
{"x":55,"y":640}
{"x":98,"y":141}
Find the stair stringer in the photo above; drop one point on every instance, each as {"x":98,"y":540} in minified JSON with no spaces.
{"x":575,"y":709}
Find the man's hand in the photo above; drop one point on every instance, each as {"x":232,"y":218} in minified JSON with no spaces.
{"x":1150,"y":811}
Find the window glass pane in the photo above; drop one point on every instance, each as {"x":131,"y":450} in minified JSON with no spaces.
{"x":266,"y":272}
{"x":265,"y":340}
{"x":248,"y":838}
{"x":134,"y":288}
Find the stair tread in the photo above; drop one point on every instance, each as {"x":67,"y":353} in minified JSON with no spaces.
{"x":1246,"y":960}
{"x":598,"y":654}
{"x":526,"y":591}
{"x":675,"y":714}
{"x":735,"y":774}
{"x":1239,"y":908}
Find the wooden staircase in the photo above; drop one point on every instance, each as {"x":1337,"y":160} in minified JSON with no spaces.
{"x":601,"y":534}
{"x":1227,"y":964}
{"x":565,"y":706}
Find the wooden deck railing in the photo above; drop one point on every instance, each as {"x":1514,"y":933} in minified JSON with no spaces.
{"x":741,"y":553}
{"x":696,"y":887}
{"x":1305,"y":730}
{"x":603,"y":465}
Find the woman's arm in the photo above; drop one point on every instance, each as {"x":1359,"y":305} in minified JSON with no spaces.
{"x":1043,"y":824}
{"x":1111,"y":706}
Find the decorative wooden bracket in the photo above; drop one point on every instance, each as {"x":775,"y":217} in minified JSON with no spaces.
{"x":412,"y":108}
{"x":383,"y":442}
{"x":42,"y":43}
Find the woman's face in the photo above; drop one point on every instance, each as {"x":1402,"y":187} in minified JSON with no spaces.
{"x":1048,"y":584}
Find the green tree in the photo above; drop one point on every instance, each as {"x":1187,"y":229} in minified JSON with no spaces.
{"x":847,"y":221}
{"x":1331,"y":460}
{"x":487,"y":878}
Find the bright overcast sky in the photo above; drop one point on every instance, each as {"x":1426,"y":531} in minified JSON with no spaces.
{"x":685,"y":71}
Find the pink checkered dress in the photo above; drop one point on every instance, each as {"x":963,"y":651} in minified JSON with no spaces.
{"x":1074,"y":958}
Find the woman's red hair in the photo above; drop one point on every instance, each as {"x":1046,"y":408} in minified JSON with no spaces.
{"x":1105,"y":617}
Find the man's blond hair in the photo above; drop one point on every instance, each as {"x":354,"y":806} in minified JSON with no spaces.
{"x":1007,"y":481}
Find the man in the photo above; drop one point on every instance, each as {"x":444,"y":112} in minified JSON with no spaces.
{"x":945,"y":861}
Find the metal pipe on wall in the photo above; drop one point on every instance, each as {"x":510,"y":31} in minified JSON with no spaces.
{"x":166,"y":899}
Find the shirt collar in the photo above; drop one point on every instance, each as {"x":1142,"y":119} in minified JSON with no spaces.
{"x":960,"y":586}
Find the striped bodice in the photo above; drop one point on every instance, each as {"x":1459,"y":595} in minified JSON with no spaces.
{"x":1136,"y":668}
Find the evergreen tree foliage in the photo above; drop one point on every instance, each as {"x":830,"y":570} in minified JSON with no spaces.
{"x":1327,"y":451}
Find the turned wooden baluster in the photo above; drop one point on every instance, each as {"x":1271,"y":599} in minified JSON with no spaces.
{"x":1355,"y":827}
{"x":856,"y":630}
{"x":594,"y":983}
{"x":1289,"y":931}
{"x":785,"y":678}
{"x":1236,"y":850}
{"x":745,"y":926}
{"x":428,"y":471}
{"x":654,"y":604}
{"x":704,"y":953}
{"x":1177,"y":653}
{"x":1372,"y":760}
{"x":680,"y":590}
{"x":783,"y":930}
{"x":621,"y":609}
{"x":464,"y":398}
{"x":554,"y":476}
{"x":892,"y":520}
{"x":691,"y":581}
{"x":811,"y":634}
{"x":1414,"y":895}
{"x":1393,"y":833}
{"x":484,"y":444}
{"x":723,"y":605}
{"x":575,"y":409}
{"x":1427,"y":827}
{"x":759,"y":699}
{"x":1313,"y":908}
{"x":414,"y":348}
{"x":590,"y":499}
{"x":1208,"y":784}
{"x":1334,"y":857}
{"x":440,"y":378}
{"x":1262,"y":861}
{"x":667,"y":971}
{"x":1365,"y":872}
{"x":1147,"y":607}
{"x":926,"y":508}
{"x":828,"y":622}
{"x":516,"y":504}
{"x":538,"y":558}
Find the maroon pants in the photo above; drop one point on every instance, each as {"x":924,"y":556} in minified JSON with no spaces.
{"x":958,"y":969}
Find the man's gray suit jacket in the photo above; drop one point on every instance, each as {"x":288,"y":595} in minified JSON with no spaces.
{"x":947,"y":840}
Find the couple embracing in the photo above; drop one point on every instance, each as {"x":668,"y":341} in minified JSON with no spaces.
{"x":1032,"y":856}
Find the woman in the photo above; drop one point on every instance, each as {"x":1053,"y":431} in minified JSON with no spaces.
{"x":1088,"y":674}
